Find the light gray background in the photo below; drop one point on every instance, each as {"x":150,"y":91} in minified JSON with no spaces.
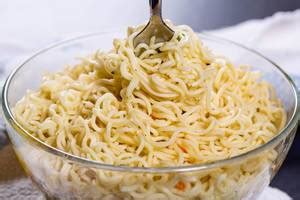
{"x":35,"y":21}
{"x":211,"y":14}
{"x":31,"y":24}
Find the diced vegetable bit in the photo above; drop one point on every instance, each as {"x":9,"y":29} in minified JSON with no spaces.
{"x":182,"y":148}
{"x":180,"y":36}
{"x":153,"y":117}
{"x":180,"y":185}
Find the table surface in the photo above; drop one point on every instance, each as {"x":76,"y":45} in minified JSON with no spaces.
{"x":288,"y":177}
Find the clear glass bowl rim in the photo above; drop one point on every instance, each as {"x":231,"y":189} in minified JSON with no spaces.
{"x":179,"y":169}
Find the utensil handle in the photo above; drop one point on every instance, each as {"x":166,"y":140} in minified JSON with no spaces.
{"x":155,"y":7}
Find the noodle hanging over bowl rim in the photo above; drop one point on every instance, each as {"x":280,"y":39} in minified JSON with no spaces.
{"x":9,"y":117}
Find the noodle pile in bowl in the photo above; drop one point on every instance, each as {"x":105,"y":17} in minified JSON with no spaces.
{"x":175,"y":104}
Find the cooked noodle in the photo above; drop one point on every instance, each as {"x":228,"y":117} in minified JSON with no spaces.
{"x":175,"y":104}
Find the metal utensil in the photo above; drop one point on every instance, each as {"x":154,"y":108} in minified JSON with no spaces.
{"x":155,"y":27}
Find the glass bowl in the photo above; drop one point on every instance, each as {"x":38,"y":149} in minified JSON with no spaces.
{"x":60,"y":175}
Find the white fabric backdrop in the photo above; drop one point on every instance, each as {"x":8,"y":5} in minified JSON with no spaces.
{"x":277,"y":37}
{"x":26,"y":26}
